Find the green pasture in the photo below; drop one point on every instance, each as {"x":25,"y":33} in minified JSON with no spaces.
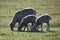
{"x":8,"y":8}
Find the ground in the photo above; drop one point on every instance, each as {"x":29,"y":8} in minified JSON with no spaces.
{"x":8,"y":8}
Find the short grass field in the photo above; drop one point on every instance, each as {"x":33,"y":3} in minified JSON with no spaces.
{"x":8,"y":8}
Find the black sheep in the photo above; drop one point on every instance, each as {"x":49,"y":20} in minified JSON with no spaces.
{"x":24,"y":22}
{"x":42,"y":19}
{"x":20,"y":14}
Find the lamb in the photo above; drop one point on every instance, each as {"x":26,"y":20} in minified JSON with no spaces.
{"x":24,"y":22}
{"x":42,"y":19}
{"x":20,"y":14}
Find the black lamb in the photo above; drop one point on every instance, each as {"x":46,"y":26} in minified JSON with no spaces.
{"x":42,"y":19}
{"x":24,"y":22}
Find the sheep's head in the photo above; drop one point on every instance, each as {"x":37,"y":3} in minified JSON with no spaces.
{"x":12,"y":26}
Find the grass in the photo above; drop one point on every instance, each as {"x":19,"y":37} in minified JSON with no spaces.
{"x":9,"y":35}
{"x":8,"y":8}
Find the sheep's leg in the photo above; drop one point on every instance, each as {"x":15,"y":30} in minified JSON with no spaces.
{"x":18,"y":27}
{"x":24,"y":28}
{"x":31,"y":25}
{"x":27,"y":28}
{"x":18,"y":23}
{"x":41,"y":27}
{"x":48,"y":27}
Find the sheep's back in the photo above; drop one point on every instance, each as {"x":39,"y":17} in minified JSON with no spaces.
{"x":22,"y":13}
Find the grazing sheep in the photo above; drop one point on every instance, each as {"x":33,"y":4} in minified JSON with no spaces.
{"x":42,"y":19}
{"x":19,"y":15}
{"x":24,"y":22}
